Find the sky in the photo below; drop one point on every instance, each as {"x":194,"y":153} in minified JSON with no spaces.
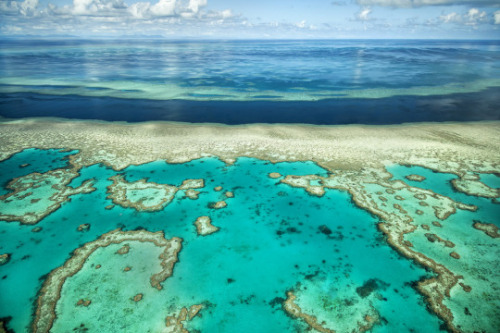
{"x":258,"y":19}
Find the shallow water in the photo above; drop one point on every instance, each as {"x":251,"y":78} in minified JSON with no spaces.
{"x":269,"y":242}
{"x":273,"y":238}
{"x":440,"y":183}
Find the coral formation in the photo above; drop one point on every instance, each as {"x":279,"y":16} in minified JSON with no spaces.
{"x":488,"y":228}
{"x":175,"y":322}
{"x":204,"y":226}
{"x":218,"y":204}
{"x":148,"y":196}
{"x":398,"y":221}
{"x":4,"y":258}
{"x":51,"y":289}
{"x":355,"y":158}
{"x":291,"y":308}
{"x":36,"y":195}
{"x":415,"y":178}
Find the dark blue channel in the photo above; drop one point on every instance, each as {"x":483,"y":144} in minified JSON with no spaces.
{"x":478,"y":106}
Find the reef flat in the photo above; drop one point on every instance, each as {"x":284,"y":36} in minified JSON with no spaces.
{"x":446,"y":147}
{"x":323,"y":228}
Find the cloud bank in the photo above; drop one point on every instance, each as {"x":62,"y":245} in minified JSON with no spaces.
{"x":109,"y":17}
{"x":422,"y":3}
{"x":193,"y":18}
{"x":473,"y":17}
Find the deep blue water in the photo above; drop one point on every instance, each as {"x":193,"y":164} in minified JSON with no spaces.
{"x":318,"y":82}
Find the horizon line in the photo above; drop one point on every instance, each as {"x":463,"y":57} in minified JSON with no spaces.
{"x":198,"y":38}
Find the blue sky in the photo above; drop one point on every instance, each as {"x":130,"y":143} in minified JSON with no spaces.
{"x":464,"y":19}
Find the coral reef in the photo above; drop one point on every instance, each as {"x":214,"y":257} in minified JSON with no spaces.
{"x":175,"y":323}
{"x":204,"y":226}
{"x":148,"y":196}
{"x":51,"y":289}
{"x":36,"y":195}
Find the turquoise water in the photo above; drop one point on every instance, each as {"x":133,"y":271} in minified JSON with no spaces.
{"x":440,"y":183}
{"x":29,"y":161}
{"x":478,"y":263}
{"x":492,"y":180}
{"x":270,"y":241}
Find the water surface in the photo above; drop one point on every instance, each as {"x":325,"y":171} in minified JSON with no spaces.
{"x":234,"y":82}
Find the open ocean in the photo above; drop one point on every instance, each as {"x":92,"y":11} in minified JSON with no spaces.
{"x":236,"y":82}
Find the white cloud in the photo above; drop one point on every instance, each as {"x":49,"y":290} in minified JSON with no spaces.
{"x":473,"y":17}
{"x":163,"y":8}
{"x":9,"y":7}
{"x":496,"y":16}
{"x":112,"y":17}
{"x":421,"y":3}
{"x":195,"y":5}
{"x":362,"y":15}
{"x":139,"y":9}
{"x":191,"y":18}
{"x":169,"y":8}
{"x":301,"y":24}
{"x":97,"y":7}
{"x":81,"y":7}
{"x":28,"y":7}
{"x":226,"y":13}
{"x":25,"y":8}
{"x":452,"y":17}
